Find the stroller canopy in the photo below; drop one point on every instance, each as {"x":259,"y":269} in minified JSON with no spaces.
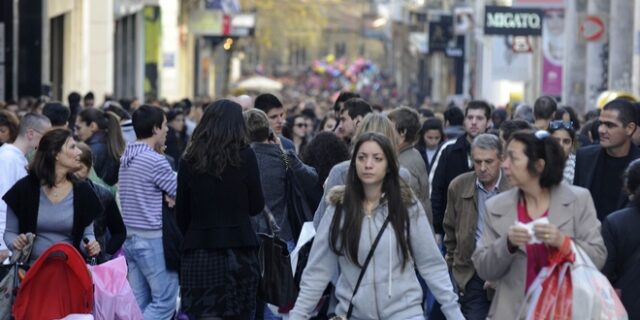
{"x":58,"y":284}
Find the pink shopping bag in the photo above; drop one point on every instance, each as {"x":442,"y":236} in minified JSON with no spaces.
{"x":114,"y":299}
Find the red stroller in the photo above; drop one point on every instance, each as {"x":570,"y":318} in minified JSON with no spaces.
{"x":57,"y":284}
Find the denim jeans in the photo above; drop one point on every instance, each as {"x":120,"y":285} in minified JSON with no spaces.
{"x":154,"y":287}
{"x":433,"y":311}
{"x":474,"y":302}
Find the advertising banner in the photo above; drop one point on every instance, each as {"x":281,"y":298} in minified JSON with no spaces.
{"x":552,"y":51}
{"x":513,"y":21}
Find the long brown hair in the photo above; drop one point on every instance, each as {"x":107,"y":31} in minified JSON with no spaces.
{"x":346,"y":226}
{"x":44,"y":161}
{"x":217,"y":140}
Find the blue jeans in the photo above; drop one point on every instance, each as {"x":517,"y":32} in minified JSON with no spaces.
{"x":433,"y":311}
{"x":474,"y":301}
{"x":154,"y":287}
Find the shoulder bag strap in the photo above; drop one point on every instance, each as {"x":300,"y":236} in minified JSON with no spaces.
{"x":366,"y":263}
{"x":274,"y":229}
{"x":285,"y":159}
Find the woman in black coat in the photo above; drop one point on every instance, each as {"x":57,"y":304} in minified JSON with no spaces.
{"x":177,"y":135}
{"x":620,"y":233}
{"x":109,"y":228}
{"x":218,"y":190}
{"x":431,"y":138}
{"x":101,"y":131}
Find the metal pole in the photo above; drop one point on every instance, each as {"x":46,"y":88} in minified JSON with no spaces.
{"x":574,"y":72}
{"x":620,"y":48}
{"x":16,"y":47}
{"x":597,"y":55}
{"x":636,"y":54}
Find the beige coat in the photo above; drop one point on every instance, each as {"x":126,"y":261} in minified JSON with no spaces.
{"x":460,"y":223}
{"x":571,"y":209}
{"x":411,"y":159}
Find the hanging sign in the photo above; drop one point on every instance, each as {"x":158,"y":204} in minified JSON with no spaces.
{"x":512,"y":21}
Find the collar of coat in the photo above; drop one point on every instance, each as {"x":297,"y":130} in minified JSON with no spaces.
{"x":336,"y":195}
{"x":470,"y":188}
{"x":561,"y":196}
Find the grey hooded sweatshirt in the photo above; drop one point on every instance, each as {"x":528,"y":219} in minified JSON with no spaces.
{"x":387,"y":290}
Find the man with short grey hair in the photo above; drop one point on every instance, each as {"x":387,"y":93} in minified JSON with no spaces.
{"x":13,"y":161}
{"x":463,"y":221}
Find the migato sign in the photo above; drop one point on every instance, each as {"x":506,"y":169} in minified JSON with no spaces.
{"x":513,"y":21}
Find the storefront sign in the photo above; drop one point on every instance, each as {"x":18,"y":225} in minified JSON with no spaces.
{"x":206,"y":22}
{"x":512,"y":21}
{"x":440,"y":33}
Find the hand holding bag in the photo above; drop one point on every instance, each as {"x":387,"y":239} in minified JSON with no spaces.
{"x":550,"y":295}
{"x":574,"y":281}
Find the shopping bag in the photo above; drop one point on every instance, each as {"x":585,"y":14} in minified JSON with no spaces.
{"x":592,"y":292}
{"x":113,"y":296}
{"x":549,"y":296}
{"x":10,"y":278}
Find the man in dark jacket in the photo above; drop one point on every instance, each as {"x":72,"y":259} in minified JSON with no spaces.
{"x":454,"y":159}
{"x":599,"y":168}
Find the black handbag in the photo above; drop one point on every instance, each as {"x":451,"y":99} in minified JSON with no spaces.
{"x":298,"y":209}
{"x":276,"y":282}
{"x":171,"y":238}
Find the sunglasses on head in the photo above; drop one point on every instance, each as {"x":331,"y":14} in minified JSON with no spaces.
{"x":542,"y":134}
{"x":559,"y":124}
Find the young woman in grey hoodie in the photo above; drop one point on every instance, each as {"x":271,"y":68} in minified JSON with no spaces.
{"x":389,"y":288}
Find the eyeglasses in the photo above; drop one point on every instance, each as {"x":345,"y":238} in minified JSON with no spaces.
{"x":559,"y":124}
{"x":542,"y":134}
{"x":301,"y":125}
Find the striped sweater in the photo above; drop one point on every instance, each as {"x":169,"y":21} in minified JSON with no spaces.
{"x":144,"y":175}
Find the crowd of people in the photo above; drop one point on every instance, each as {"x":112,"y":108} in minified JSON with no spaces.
{"x":420,"y":213}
